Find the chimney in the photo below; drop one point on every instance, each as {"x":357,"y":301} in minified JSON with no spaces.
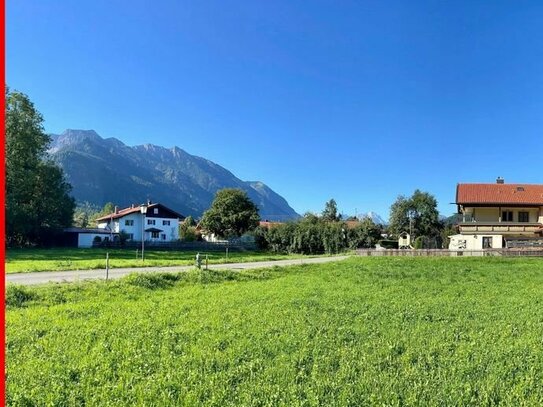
{"x":149,"y":202}
{"x":500,"y":180}
{"x":132,"y":206}
{"x":116,"y":209}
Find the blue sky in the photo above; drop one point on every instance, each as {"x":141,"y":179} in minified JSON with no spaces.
{"x":352,"y":100}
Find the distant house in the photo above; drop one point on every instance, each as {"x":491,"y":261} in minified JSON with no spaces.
{"x":246,"y":238}
{"x":268,"y":224}
{"x":498,"y":215}
{"x":153,"y":222}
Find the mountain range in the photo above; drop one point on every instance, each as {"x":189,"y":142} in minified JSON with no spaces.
{"x":375,"y":217}
{"x":106,"y":170}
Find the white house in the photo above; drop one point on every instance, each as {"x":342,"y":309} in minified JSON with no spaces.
{"x":154,"y":221}
{"x":499,"y":215}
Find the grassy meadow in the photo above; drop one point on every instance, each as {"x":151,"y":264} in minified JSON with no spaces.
{"x":29,"y":260}
{"x":364,"y":331}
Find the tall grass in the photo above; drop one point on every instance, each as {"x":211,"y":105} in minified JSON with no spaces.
{"x":372,"y":331}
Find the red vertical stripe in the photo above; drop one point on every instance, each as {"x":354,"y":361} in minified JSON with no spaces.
{"x":3,"y":199}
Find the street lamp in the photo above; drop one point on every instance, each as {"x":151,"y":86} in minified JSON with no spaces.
{"x":411,"y":215}
{"x":143,"y":209}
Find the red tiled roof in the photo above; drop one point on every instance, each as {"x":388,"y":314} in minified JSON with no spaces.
{"x":530,"y":194}
{"x":123,"y":212}
{"x":268,"y":224}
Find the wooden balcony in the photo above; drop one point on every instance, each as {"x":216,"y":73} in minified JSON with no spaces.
{"x":505,"y":228}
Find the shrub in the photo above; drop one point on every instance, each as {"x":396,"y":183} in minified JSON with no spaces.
{"x":260,"y":234}
{"x":152,"y":281}
{"x":389,"y":244}
{"x":97,"y":239}
{"x":419,"y":242}
{"x":17,"y":295}
{"x":313,"y":235}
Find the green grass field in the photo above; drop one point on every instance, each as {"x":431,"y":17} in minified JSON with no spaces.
{"x":365,"y":331}
{"x":28,"y":260}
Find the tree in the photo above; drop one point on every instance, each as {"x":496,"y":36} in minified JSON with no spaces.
{"x":330,"y":211}
{"x":37,"y":196}
{"x":189,"y":221}
{"x":84,"y":214}
{"x":108,"y":209}
{"x":231,"y":214}
{"x":366,"y":234}
{"x":417,"y":215}
{"x":187,"y":230}
{"x":81,"y":219}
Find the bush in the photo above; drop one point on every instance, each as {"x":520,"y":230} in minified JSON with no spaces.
{"x":389,"y":244}
{"x":97,"y":239}
{"x":419,"y":242}
{"x":260,"y":237}
{"x":152,"y":281}
{"x":17,"y":295}
{"x":189,"y":233}
{"x":364,"y":235}
{"x":313,"y":235}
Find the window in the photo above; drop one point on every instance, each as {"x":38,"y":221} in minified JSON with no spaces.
{"x":151,"y":221}
{"x":507,"y":216}
{"x":165,"y":223}
{"x":154,"y":235}
{"x":129,"y":222}
{"x":156,"y":211}
{"x":163,"y":236}
{"x":130,"y":236}
{"x":487,"y":242}
{"x":524,"y":216}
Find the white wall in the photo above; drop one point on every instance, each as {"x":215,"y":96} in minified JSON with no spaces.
{"x":474,"y":242}
{"x":85,"y":239}
{"x":493,"y":214}
{"x":171,"y":231}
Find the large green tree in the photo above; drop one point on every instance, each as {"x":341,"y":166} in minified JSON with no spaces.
{"x":231,"y":214}
{"x":37,"y":196}
{"x":417,"y":214}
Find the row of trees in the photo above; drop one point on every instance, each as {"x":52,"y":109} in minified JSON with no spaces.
{"x":316,"y":234}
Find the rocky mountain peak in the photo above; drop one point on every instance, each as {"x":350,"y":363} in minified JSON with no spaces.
{"x":106,"y":170}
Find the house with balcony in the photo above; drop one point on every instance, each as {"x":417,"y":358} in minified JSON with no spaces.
{"x":152,"y":222}
{"x":499,"y":215}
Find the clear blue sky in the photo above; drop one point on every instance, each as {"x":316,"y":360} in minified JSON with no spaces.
{"x":352,"y":100}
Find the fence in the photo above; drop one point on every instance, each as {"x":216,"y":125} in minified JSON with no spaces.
{"x":525,"y":252}
{"x":209,"y":246}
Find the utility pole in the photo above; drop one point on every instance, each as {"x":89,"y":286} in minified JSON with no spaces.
{"x":143,"y":209}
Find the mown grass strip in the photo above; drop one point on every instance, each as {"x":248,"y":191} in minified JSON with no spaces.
{"x":33,"y":260}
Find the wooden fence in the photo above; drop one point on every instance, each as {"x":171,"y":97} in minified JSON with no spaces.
{"x":202,"y":246}
{"x":524,"y":252}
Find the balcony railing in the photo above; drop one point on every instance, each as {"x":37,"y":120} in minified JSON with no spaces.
{"x":500,"y":227}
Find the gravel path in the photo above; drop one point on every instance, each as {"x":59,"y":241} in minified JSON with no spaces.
{"x":80,"y":275}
